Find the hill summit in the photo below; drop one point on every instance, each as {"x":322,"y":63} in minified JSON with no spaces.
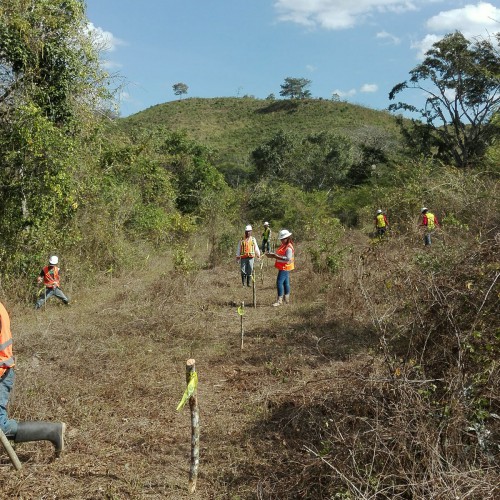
{"x":233,"y":127}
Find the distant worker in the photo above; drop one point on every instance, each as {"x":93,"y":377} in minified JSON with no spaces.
{"x":285,"y":256}
{"x":21,"y":432}
{"x":430,"y":223}
{"x":381,"y":223}
{"x":266,"y":238}
{"x":246,"y":252}
{"x":49,"y":275}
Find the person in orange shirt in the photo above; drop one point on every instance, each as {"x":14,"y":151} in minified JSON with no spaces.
{"x":246,"y":252}
{"x":49,"y":275}
{"x":21,"y":432}
{"x":285,"y":257}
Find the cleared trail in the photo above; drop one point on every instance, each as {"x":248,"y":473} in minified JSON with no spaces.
{"x":112,"y":366}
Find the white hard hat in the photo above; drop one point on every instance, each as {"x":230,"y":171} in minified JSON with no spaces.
{"x":53,"y":260}
{"x":266,"y":223}
{"x":424,"y":209}
{"x":248,"y":228}
{"x":284,"y":233}
{"x":379,"y":211}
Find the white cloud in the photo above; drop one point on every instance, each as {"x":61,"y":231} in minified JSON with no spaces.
{"x":105,"y":39}
{"x":110,"y":65}
{"x":344,"y":93}
{"x":337,"y":14}
{"x":311,"y":68}
{"x":124,"y":97}
{"x":365,"y":88}
{"x":422,"y":46}
{"x":473,"y":21}
{"x":383,"y":35}
{"x":369,"y":87}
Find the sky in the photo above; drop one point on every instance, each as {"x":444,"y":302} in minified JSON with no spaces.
{"x":356,"y":49}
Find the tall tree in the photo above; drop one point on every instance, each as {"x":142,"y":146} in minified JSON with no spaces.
{"x":48,"y":56}
{"x":461,"y":81}
{"x":51,"y":87}
{"x":180,"y":89}
{"x":196,"y":178}
{"x":295,"y":88}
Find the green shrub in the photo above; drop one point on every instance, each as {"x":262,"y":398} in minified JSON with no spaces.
{"x":183,"y":262}
{"x":155,"y":224}
{"x":326,"y":254}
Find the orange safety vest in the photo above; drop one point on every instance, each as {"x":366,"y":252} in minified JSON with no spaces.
{"x":285,"y":266}
{"x":6,"y":356}
{"x":247,"y":248}
{"x":380,"y":220}
{"x":51,"y":276}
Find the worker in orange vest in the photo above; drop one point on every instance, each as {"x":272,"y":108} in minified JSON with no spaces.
{"x":21,"y":432}
{"x":49,"y":275}
{"x":245,"y":253}
{"x":285,"y":258}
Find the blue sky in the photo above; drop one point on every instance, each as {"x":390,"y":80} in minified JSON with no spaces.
{"x":357,"y":49}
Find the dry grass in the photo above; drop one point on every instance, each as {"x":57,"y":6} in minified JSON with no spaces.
{"x":112,"y":367}
{"x":306,"y":410}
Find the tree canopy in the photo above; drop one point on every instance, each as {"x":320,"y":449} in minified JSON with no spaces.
{"x":48,"y":56}
{"x":461,"y":81}
{"x":295,"y":88}
{"x":51,"y":87}
{"x":320,"y":161}
{"x":180,"y":88}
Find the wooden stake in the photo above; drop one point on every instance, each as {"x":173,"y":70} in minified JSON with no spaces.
{"x":254,"y":289}
{"x":10,"y":451}
{"x":241,"y":322}
{"x":195,"y":430}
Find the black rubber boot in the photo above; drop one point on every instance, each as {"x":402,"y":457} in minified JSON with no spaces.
{"x":243,"y":278}
{"x":42,"y":431}
{"x":249,"y":280}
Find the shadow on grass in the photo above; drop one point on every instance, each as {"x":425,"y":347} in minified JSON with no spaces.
{"x":279,"y":106}
{"x":278,"y":463}
{"x":320,"y":342}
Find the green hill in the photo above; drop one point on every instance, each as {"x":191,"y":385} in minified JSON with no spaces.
{"x":233,"y":127}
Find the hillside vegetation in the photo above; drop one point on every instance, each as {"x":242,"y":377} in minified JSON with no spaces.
{"x":234,"y":127}
{"x":379,"y":381}
{"x":244,"y":123}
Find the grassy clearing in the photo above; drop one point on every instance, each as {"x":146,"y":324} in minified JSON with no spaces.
{"x":112,"y":366}
{"x":309,"y":409}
